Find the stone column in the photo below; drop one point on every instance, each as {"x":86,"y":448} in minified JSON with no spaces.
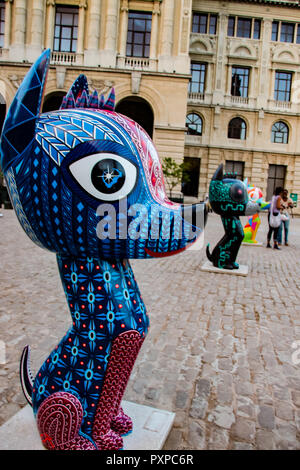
{"x":218,"y":95}
{"x":50,"y":22}
{"x":263,"y":88}
{"x":123,"y":33}
{"x":166,"y":48}
{"x":17,"y":49}
{"x":109,"y":52}
{"x":37,"y":27}
{"x":91,"y":54}
{"x":7,"y":27}
{"x":208,"y":83}
{"x":154,"y":34}
{"x":81,"y":28}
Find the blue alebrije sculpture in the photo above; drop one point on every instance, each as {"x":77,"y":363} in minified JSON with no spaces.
{"x":228,"y":197}
{"x":86,"y":183}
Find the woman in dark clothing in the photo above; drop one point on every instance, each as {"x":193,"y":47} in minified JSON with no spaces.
{"x":276,"y":205}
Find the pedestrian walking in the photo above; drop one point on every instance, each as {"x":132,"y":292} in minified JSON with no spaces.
{"x":274,"y":217}
{"x":287,"y":205}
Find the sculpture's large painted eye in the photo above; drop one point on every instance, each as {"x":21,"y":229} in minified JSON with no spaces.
{"x":238,"y":192}
{"x":105,"y":176}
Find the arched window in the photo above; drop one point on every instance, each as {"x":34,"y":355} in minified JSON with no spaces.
{"x":237,"y":129}
{"x":2,"y":111}
{"x":139,"y":110}
{"x":194,"y":124}
{"x":280,"y":133}
{"x":53,"y":101}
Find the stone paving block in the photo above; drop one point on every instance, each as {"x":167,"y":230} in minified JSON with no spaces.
{"x":222,"y":416}
{"x":243,"y":429}
{"x":265,"y":440}
{"x":219,"y":439}
{"x":266,"y":417}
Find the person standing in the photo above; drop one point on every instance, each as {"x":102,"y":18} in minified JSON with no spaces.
{"x":287,"y":205}
{"x":276,"y":206}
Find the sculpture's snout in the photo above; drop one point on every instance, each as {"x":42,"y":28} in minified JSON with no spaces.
{"x":252,"y":208}
{"x":195,"y":214}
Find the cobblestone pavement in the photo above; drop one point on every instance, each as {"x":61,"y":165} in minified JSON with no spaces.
{"x":220,"y":348}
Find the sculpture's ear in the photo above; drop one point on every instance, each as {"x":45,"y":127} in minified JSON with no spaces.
{"x":19,"y":125}
{"x":218,"y":175}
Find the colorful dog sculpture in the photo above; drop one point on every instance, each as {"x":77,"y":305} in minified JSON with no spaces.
{"x":86,"y":183}
{"x":250,"y":229}
{"x":228,"y":197}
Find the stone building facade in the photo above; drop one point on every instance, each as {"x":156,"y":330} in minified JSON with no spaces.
{"x":212,"y":81}
{"x":248,"y":104}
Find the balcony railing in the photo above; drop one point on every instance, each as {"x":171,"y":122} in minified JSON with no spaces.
{"x":239,"y":100}
{"x":136,"y":63}
{"x":63,"y":58}
{"x":282,"y":104}
{"x":196,"y":97}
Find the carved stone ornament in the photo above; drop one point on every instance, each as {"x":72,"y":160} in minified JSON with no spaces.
{"x":16,"y":80}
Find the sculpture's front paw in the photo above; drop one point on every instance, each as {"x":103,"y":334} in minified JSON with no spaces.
{"x":122,"y":423}
{"x":109,"y":441}
{"x":59,"y":419}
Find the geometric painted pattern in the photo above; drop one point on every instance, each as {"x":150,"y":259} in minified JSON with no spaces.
{"x":104,"y":301}
{"x":58,"y":133}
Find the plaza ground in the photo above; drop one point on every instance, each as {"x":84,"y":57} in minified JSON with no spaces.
{"x":220,"y":349}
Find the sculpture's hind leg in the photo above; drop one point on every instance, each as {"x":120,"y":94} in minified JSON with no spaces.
{"x":59,"y":419}
{"x":123,"y":354}
{"x":122,"y":423}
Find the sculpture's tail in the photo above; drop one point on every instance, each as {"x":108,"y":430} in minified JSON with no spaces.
{"x":25,"y":375}
{"x":208,"y":253}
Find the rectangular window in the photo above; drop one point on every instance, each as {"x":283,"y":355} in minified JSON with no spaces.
{"x":197,"y":82}
{"x":2,"y":23}
{"x":232,"y":166}
{"x":240,"y":81}
{"x":213,"y":24}
{"x":256,"y":30}
{"x":231,"y":26}
{"x":276,"y":178}
{"x":275,"y":29}
{"x":283,"y":85}
{"x":200,"y":23}
{"x":190,"y":179}
{"x":287,"y":32}
{"x":139,"y":34}
{"x":244,"y":28}
{"x":204,"y":23}
{"x":298,"y":34}
{"x":66,"y":28}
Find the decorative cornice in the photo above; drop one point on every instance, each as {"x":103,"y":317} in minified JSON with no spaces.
{"x":124,"y":6}
{"x":279,"y":3}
